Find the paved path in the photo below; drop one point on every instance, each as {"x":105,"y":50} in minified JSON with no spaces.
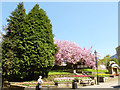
{"x":112,"y":83}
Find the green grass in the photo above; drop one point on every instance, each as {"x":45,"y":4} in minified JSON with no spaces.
{"x":81,"y":77}
{"x":86,"y":70}
{"x":92,"y":70}
{"x":67,"y":71}
{"x":63,"y":70}
{"x":56,"y":73}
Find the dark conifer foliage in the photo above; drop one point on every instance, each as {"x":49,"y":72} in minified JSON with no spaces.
{"x":12,"y":48}
{"x":39,"y":42}
{"x":28,"y":48}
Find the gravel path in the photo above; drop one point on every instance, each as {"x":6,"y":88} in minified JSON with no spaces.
{"x":112,"y":83}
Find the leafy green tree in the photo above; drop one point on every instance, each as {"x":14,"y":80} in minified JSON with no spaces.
{"x":12,"y":49}
{"x":39,"y":43}
{"x":105,"y":61}
{"x":28,"y":48}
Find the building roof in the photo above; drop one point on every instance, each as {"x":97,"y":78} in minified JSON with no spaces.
{"x":114,"y":56}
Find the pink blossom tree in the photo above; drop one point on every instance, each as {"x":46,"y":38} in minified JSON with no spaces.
{"x":72,"y":53}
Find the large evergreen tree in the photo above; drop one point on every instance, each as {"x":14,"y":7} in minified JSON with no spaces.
{"x":40,"y":47}
{"x":28,"y":47}
{"x":12,"y":49}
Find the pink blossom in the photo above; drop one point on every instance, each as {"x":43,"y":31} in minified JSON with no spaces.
{"x":73,"y":53}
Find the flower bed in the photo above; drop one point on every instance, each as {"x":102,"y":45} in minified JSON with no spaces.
{"x":114,"y":74}
{"x":64,"y":79}
{"x":29,"y":83}
{"x":51,"y":77}
{"x":48,"y":83}
{"x":102,"y":75}
{"x":35,"y":83}
{"x":81,"y":75}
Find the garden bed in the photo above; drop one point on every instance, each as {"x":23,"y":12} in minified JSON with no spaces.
{"x":52,"y":76}
{"x":32,"y":84}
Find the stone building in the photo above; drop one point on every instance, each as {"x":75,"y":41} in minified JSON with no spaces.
{"x":118,"y":53}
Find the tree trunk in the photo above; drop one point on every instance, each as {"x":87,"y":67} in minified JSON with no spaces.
{"x":73,"y":68}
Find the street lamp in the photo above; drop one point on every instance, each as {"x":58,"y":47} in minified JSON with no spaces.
{"x":96,"y":67}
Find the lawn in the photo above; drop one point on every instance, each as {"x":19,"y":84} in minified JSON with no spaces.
{"x":92,"y":70}
{"x":69,"y":71}
{"x":89,"y":70}
{"x":58,"y":73}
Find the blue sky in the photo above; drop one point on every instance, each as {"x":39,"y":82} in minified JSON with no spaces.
{"x":86,"y":23}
